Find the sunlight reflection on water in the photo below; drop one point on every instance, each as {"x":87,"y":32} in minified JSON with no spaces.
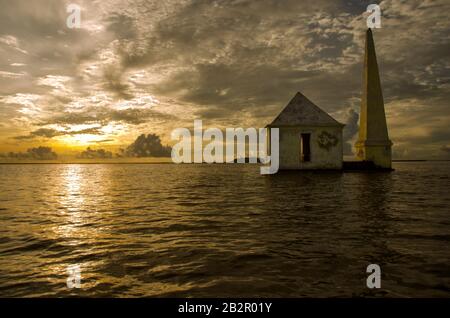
{"x":166,"y":230}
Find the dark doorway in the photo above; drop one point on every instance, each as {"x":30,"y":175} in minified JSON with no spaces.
{"x":305,"y":148}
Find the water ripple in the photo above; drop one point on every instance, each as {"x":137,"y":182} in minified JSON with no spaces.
{"x":222,"y":230}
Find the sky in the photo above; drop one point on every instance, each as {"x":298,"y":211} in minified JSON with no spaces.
{"x":138,"y":66}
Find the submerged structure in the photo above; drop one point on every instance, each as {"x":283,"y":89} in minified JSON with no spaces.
{"x":309,"y":137}
{"x":312,"y":139}
{"x":373,"y":144}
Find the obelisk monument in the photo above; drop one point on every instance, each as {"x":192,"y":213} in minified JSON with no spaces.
{"x":373,"y":143}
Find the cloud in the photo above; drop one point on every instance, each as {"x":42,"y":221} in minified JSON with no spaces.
{"x":123,"y":25}
{"x":350,"y":130}
{"x":43,"y":132}
{"x":235,"y":63}
{"x":51,"y":133}
{"x":12,"y":42}
{"x":114,"y":83}
{"x":11,"y":74}
{"x":103,"y":141}
{"x":105,"y":115}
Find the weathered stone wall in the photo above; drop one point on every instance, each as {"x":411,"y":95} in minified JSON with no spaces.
{"x":326,"y":148}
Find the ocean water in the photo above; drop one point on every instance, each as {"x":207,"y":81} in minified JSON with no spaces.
{"x":167,"y":230}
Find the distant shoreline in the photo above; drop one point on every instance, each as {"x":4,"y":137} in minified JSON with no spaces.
{"x":89,"y":161}
{"x":84,"y":163}
{"x":419,"y":160}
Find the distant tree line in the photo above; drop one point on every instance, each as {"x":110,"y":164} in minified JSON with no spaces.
{"x":144,"y":146}
{"x":39,"y":153}
{"x":95,"y":154}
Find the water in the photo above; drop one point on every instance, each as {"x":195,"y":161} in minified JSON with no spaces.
{"x":223,"y":230}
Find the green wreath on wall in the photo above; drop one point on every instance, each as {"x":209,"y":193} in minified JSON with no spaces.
{"x":327,"y":140}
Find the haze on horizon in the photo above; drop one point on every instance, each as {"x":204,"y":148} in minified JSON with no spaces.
{"x":139,"y":67}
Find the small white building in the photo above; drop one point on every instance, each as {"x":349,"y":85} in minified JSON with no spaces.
{"x":309,"y":137}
